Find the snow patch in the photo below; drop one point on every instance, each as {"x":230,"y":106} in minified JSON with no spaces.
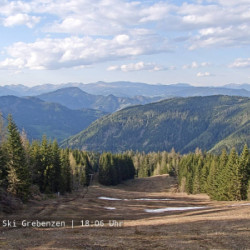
{"x":152,"y":199}
{"x":109,"y":198}
{"x":166,"y":209}
{"x":138,"y":199}
{"x":110,"y":208}
{"x":238,"y":205}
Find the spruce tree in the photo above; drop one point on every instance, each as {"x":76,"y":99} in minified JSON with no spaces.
{"x":18,"y":172}
{"x":222,"y":176}
{"x":56,"y":167}
{"x":233,"y":181}
{"x":35,"y":164}
{"x":3,"y":168}
{"x":212,"y":185}
{"x":44,"y":163}
{"x":105,"y":167}
{"x":66,"y":175}
{"x":2,"y":130}
{"x":244,"y":171}
{"x":87,"y":168}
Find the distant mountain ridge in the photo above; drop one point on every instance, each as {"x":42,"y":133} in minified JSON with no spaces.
{"x":210,"y":123}
{"x":38,"y":117}
{"x":245,"y":86}
{"x":131,"y":89}
{"x":75,"y":98}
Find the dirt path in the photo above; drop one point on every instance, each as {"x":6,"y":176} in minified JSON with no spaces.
{"x":134,"y":206}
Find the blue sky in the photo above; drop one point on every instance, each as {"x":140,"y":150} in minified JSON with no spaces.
{"x":201,"y":42}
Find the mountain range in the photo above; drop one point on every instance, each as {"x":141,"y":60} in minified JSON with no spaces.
{"x":210,"y":123}
{"x":37,"y":117}
{"x":144,"y":117}
{"x":75,"y":98}
{"x":131,"y":89}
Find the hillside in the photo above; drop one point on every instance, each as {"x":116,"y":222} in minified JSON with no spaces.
{"x":181,"y":123}
{"x":75,"y":98}
{"x":38,"y":117}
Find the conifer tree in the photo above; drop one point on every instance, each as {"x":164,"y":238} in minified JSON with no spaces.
{"x":2,"y":130}
{"x":244,"y":171}
{"x":66,"y":175}
{"x":47,"y":166}
{"x":87,"y":168}
{"x":56,"y":168}
{"x":233,"y":181}
{"x":35,"y":164}
{"x":196,"y":180}
{"x":105,"y":167}
{"x":18,"y":172}
{"x":3,"y":168}
{"x":212,"y":185}
{"x":204,"y":175}
{"x":222,"y":176}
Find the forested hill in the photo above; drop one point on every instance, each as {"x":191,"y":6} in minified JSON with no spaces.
{"x":38,"y":117}
{"x":210,"y":123}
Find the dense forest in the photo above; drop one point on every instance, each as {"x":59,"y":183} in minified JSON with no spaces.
{"x":43,"y":167}
{"x":210,"y":123}
{"x":223,"y":177}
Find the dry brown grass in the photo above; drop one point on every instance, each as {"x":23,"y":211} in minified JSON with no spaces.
{"x":219,"y":226}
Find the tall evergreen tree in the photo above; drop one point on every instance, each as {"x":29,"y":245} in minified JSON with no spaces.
{"x":232,"y":178}
{"x":244,"y":171}
{"x":66,"y":175}
{"x":2,"y":130}
{"x":3,"y":168}
{"x":212,"y":185}
{"x":105,"y":168}
{"x":222,"y":176}
{"x":18,"y":172}
{"x":56,"y":168}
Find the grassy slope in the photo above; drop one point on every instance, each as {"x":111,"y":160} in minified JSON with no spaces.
{"x":219,"y":225}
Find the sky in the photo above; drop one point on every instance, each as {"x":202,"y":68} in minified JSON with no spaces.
{"x":200,"y":42}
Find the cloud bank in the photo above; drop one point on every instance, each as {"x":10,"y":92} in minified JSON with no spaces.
{"x":86,"y":32}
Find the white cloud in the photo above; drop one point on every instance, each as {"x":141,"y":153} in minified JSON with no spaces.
{"x":240,"y":63}
{"x":10,"y":63}
{"x":139,"y":66}
{"x":51,"y":53}
{"x":195,"y":65}
{"x":21,"y":19}
{"x":9,"y":8}
{"x":156,"y":12}
{"x":122,"y":39}
{"x":88,"y":17}
{"x":104,"y":30}
{"x":203,"y":74}
{"x":218,"y":24}
{"x":232,"y":36}
{"x":113,"y":68}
